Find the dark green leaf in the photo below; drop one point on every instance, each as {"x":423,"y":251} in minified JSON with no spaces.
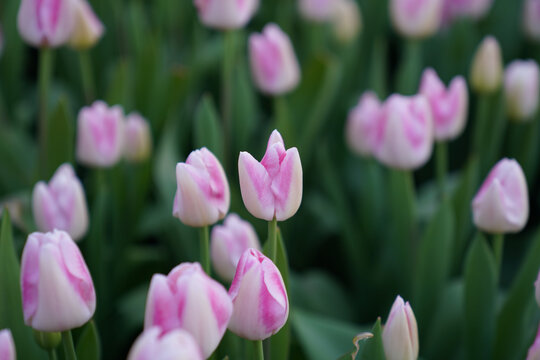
{"x":207,"y":128}
{"x":372,"y":349}
{"x":60,"y":138}
{"x":89,"y":346}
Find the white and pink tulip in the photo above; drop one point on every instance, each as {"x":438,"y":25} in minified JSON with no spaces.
{"x":137,"y":138}
{"x":531,"y":19}
{"x":400,"y":333}
{"x":7,"y":346}
{"x":226,"y":14}
{"x":154,"y":344}
{"x":88,"y":28}
{"x":363,"y":123}
{"x":416,"y":18}
{"x":487,"y":66}
{"x":521,"y":83}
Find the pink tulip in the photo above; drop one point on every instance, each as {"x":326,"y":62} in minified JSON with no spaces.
{"x":189,"y":299}
{"x":534,"y":350}
{"x":61,"y":204}
{"x":260,"y":302}
{"x":416,"y":18}
{"x":363,"y":124}
{"x":487,"y":68}
{"x":46,"y":23}
{"x":317,"y":10}
{"x":202,"y":196}
{"x":531,"y":19}
{"x":449,"y":107}
{"x":537,"y":289}
{"x":475,"y":9}
{"x":88,"y":28}
{"x":226,"y":14}
{"x":521,"y":82}
{"x":272,"y":188}
{"x":57,"y":290}
{"x":177,"y":344}
{"x":137,"y":138}
{"x":502,"y":203}
{"x":7,"y":346}
{"x":100,"y":135}
{"x":229,"y":241}
{"x":274,"y":65}
{"x":400,"y":333}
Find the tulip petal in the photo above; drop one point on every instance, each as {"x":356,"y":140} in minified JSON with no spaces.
{"x":255,"y":185}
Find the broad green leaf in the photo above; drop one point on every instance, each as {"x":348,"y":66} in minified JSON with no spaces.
{"x":18,"y":159}
{"x":88,"y":345}
{"x":372,"y":349}
{"x":165,"y":160}
{"x":60,"y":138}
{"x":207,"y":127}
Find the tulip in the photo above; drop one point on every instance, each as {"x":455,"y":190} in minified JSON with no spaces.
{"x":61,"y":204}
{"x":229,"y":241}
{"x":346,"y":20}
{"x":521,"y":81}
{"x":274,"y":65}
{"x":487,"y":68}
{"x":271,"y":188}
{"x":138,"y":138}
{"x":57,"y":290}
{"x":7,"y":346}
{"x":317,"y":10}
{"x":534,"y":350}
{"x":531,"y":19}
{"x":537,"y":289}
{"x":449,"y":107}
{"x":502,"y":203}
{"x":177,"y":344}
{"x":475,"y":9}
{"x":202,"y":196}
{"x":416,"y":18}
{"x":88,"y":28}
{"x":405,"y":133}
{"x":100,"y":135}
{"x":226,"y":14}
{"x":400,"y":333}
{"x":260,"y":303}
{"x":363,"y":124}
{"x":46,"y":23}
{"x":189,"y":299}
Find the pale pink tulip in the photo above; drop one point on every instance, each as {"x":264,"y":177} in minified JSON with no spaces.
{"x":226,"y":14}
{"x":534,"y":350}
{"x":363,"y":124}
{"x":400,"y":333}
{"x":137,"y":138}
{"x":7,"y":346}
{"x":487,"y":68}
{"x":177,"y":344}
{"x":346,"y":20}
{"x":521,"y":82}
{"x":317,"y":10}
{"x":475,"y":9}
{"x":88,"y":28}
{"x":531,"y":19}
{"x":416,"y":18}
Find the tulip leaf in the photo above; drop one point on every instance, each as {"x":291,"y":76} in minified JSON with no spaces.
{"x":89,"y":346}
{"x":207,"y":129}
{"x":60,"y":138}
{"x":372,"y":348}
{"x":244,"y":108}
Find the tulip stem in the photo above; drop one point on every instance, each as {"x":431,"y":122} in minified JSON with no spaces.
{"x":410,"y":67}
{"x":45,"y":71}
{"x":442,"y":166}
{"x":52,"y":354}
{"x":481,"y":121}
{"x":229,"y":58}
{"x":69,"y":349}
{"x":259,"y":350}
{"x":498,"y":246}
{"x":87,"y":76}
{"x":272,"y":238}
{"x":205,"y":249}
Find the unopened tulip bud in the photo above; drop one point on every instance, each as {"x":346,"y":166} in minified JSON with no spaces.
{"x":260,"y":302}
{"x":274,"y":66}
{"x":202,"y":196}
{"x":502,"y":203}
{"x":521,"y":81}
{"x":271,"y":188}
{"x":229,"y":241}
{"x":61,"y":204}
{"x":346,"y":20}
{"x":226,"y":14}
{"x":7,"y":346}
{"x":416,"y":18}
{"x":400,"y":333}
{"x":531,"y":19}
{"x":449,"y":107}
{"x":363,"y":123}
{"x":100,"y":135}
{"x":46,"y":23}
{"x":316,"y":10}
{"x":537,"y":289}
{"x":88,"y":28}
{"x":534,"y":350}
{"x":177,"y":344}
{"x":137,"y":139}
{"x":487,"y":68}
{"x":189,"y":299}
{"x":57,"y":289}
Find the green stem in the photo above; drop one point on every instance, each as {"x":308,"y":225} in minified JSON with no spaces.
{"x":45,"y":72}
{"x":410,"y":67}
{"x":498,"y":245}
{"x":87,"y":76}
{"x":259,"y":352}
{"x":281,"y":118}
{"x":52,"y":354}
{"x":442,"y":166}
{"x":205,"y":249}
{"x":69,"y":349}
{"x":272,"y":237}
{"x":229,"y":58}
{"x":378,"y":70}
{"x":481,"y":121}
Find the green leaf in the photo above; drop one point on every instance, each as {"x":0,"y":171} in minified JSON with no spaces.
{"x":88,"y":345}
{"x":372,"y":348}
{"x":207,"y":128}
{"x":60,"y":138}
{"x":244,"y":108}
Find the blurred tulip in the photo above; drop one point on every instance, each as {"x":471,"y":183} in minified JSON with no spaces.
{"x":400,"y":333}
{"x":521,"y":81}
{"x":7,"y":346}
{"x":189,"y":299}
{"x":449,"y":107}
{"x":363,"y":124}
{"x":100,"y":135}
{"x":202,"y":196}
{"x":534,"y":350}
{"x":537,"y":289}
{"x":487,"y":68}
{"x":226,"y":14}
{"x":317,"y":10}
{"x":502,"y":203}
{"x":57,"y":289}
{"x":137,"y":138}
{"x":46,"y":23}
{"x":274,"y":65}
{"x":260,"y":303}
{"x":271,"y":188}
{"x":88,"y":28}
{"x":177,"y":344}
{"x":416,"y":18}
{"x":475,"y":9}
{"x":346,"y":20}
{"x":61,"y":204}
{"x":531,"y":19}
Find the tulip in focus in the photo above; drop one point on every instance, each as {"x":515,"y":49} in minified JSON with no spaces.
{"x":537,"y":289}
{"x":531,"y":19}
{"x":7,"y":346}
{"x":317,"y":10}
{"x":177,"y":344}
{"x":57,"y":289}
{"x":189,"y":299}
{"x":449,"y":107}
{"x":400,"y":333}
{"x":487,"y":68}
{"x":137,"y":138}
{"x":534,"y":350}
{"x":274,"y":66}
{"x":260,"y":302}
{"x":346,"y":20}
{"x":202,"y":196}
{"x":416,"y":18}
{"x":88,"y":28}
{"x":521,"y":81}
{"x":226,"y":14}
{"x":61,"y":204}
{"x":271,"y":188}
{"x":363,"y":124}
{"x":502,"y":203}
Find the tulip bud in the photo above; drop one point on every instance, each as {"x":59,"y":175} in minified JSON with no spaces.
{"x":202,"y":196}
{"x":400,"y":333}
{"x":521,"y":80}
{"x":271,"y":188}
{"x":363,"y":123}
{"x":416,"y":18}
{"x":260,"y":303}
{"x":274,"y":65}
{"x":449,"y":107}
{"x":534,"y":350}
{"x":531,"y":19}
{"x":100,"y":135}
{"x":137,"y":138}
{"x":46,"y":23}
{"x":502,"y":203}
{"x":487,"y":68}
{"x":317,"y":10}
{"x":405,"y":133}
{"x":229,"y":241}
{"x":61,"y":204}
{"x":346,"y":20}
{"x":177,"y":344}
{"x":57,"y":290}
{"x":226,"y":14}
{"x":537,"y":289}
{"x":189,"y":299}
{"x":7,"y":346}
{"x":88,"y":28}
